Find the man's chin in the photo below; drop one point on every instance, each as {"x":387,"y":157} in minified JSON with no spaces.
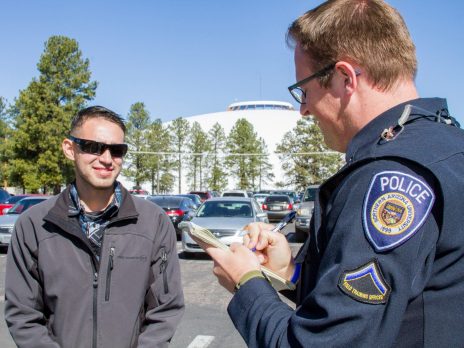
{"x":104,"y":184}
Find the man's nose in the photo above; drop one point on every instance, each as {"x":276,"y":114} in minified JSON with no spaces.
{"x":105,"y":157}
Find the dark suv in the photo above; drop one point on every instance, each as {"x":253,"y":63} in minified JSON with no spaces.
{"x":177,"y":208}
{"x":277,"y":206}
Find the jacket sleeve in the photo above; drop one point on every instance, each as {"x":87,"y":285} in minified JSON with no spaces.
{"x":164,"y":302}
{"x":24,"y":307}
{"x":327,"y":316}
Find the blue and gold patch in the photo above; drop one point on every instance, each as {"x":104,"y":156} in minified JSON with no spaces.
{"x":365,"y":284}
{"x":395,"y":207}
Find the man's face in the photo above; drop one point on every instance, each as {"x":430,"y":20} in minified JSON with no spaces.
{"x":320,"y":102}
{"x":95,"y":172}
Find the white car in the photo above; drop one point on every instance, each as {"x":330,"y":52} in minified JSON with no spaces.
{"x":8,"y":220}
{"x":260,"y":197}
{"x":236,"y":193}
{"x":225,"y":217}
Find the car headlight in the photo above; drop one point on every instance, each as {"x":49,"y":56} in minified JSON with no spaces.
{"x":303,"y":212}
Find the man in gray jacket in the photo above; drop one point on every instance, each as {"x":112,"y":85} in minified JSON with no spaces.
{"x":93,"y":266}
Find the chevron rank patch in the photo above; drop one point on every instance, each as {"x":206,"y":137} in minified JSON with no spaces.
{"x":365,"y":284}
{"x":395,"y":207}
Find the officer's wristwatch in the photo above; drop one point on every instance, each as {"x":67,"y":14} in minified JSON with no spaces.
{"x":249,"y":275}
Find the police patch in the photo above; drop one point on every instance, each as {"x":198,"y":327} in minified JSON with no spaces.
{"x":365,"y":284}
{"x":395,"y":207}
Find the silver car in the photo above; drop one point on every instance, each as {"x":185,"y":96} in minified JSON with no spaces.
{"x":8,"y":220}
{"x":225,"y":217}
{"x":305,"y":211}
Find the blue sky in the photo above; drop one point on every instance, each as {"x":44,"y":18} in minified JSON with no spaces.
{"x":185,"y":57}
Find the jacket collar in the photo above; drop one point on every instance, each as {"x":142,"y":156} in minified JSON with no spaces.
{"x":63,"y":213}
{"x":370,"y":135}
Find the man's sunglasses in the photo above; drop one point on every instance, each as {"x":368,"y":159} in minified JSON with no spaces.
{"x":96,"y":148}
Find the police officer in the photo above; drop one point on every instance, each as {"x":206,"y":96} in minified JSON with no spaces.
{"x":384,"y":263}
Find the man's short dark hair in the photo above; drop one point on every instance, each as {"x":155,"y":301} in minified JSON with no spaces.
{"x":95,"y":112}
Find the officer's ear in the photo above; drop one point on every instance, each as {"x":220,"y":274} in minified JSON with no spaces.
{"x":349,"y":75}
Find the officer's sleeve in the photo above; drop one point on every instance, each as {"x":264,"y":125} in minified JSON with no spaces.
{"x":164,"y":302}
{"x":377,"y":254}
{"x":24,"y":307}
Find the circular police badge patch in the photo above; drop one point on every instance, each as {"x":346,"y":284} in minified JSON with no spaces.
{"x":392,"y":213}
{"x":395,"y":207}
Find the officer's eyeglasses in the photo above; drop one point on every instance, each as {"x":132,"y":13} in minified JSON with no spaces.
{"x":298,"y":93}
{"x":96,"y":148}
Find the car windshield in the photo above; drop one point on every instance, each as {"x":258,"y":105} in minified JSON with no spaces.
{"x":24,"y":204}
{"x":225,"y":209}
{"x":14,"y":199}
{"x":166,"y":202}
{"x":310,"y":194}
{"x":277,"y":199}
{"x":233,"y":194}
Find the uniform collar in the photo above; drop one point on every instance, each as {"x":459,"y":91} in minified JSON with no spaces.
{"x":370,"y":134}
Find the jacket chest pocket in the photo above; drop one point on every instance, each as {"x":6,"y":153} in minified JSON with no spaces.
{"x":109,"y":272}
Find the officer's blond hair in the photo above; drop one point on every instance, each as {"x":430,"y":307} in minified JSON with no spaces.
{"x":368,"y":32}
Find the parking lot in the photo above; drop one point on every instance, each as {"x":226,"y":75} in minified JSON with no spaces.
{"x":205,"y":322}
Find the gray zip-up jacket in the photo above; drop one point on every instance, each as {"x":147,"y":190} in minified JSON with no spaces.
{"x":58,"y":295}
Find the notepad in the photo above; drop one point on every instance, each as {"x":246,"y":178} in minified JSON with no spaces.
{"x":207,"y":237}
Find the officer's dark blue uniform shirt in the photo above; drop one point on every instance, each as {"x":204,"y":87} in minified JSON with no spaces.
{"x":384,"y":264}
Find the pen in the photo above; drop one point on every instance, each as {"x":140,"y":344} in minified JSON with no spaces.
{"x":284,"y":222}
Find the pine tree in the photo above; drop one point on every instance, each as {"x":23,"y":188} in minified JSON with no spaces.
{"x":42,"y":115}
{"x":261,"y":167}
{"x":5,"y":136}
{"x":304,"y":170}
{"x":218,"y":178}
{"x":199,"y":144}
{"x":159,"y":167}
{"x":241,"y":142}
{"x":136,"y":167}
{"x":180,"y":131}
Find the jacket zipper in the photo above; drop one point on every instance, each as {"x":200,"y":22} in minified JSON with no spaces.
{"x":163,"y":265}
{"x":108,"y":275}
{"x":95,"y":288}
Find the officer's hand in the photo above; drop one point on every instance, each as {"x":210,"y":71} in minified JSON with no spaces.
{"x":230,"y":265}
{"x":272,"y":248}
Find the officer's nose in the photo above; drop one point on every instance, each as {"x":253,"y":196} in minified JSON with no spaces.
{"x":304,"y":111}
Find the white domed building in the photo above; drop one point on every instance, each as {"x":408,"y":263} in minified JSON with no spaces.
{"x":270,"y":119}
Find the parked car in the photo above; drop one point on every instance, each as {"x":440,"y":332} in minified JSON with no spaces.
{"x":305,"y":211}
{"x":195,"y":198}
{"x":4,"y":195}
{"x":139,"y":192}
{"x":260,"y":197}
{"x":236,"y":193}
{"x":277,"y":206}
{"x":225,"y":217}
{"x":8,"y":220}
{"x":10,"y":202}
{"x":293,"y":195}
{"x":177,"y":208}
{"x":204,"y":195}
